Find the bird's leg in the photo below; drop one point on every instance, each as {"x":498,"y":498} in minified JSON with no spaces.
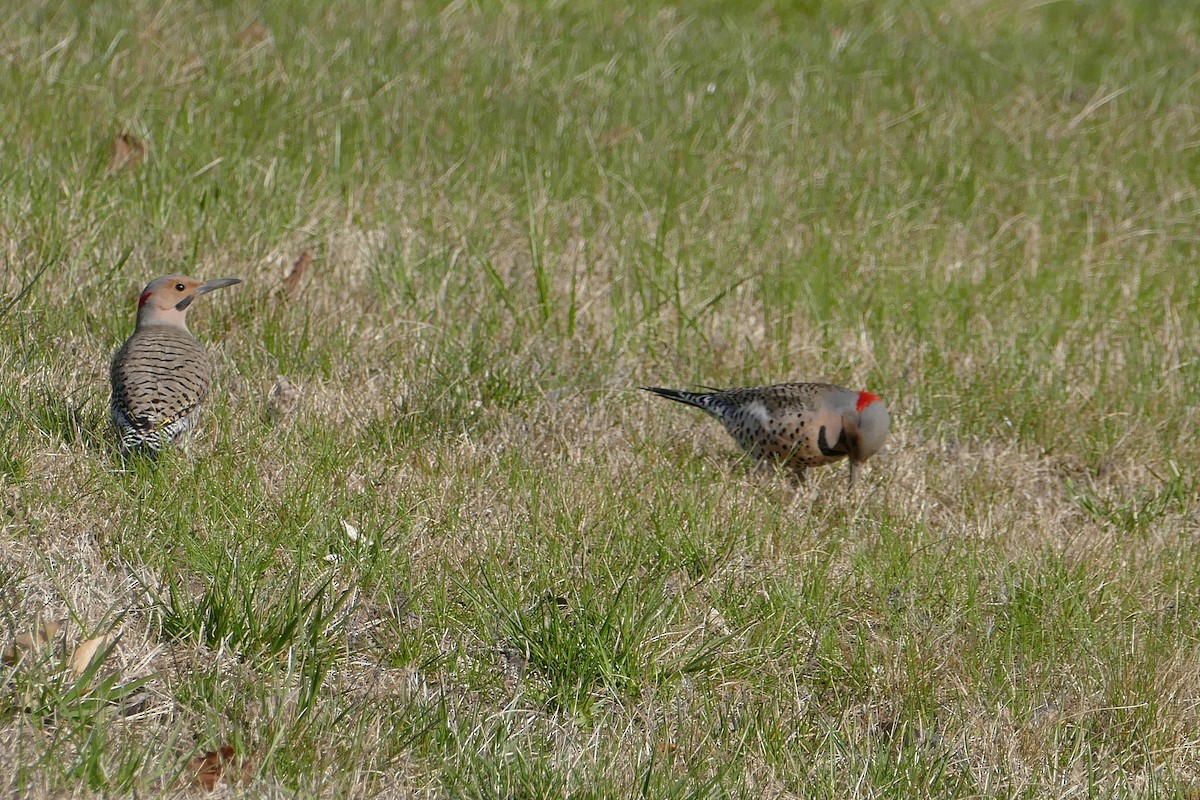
{"x":853,"y":473}
{"x":797,"y":489}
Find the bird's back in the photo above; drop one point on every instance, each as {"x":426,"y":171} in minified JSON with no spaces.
{"x":160,"y":376}
{"x":782,"y":396}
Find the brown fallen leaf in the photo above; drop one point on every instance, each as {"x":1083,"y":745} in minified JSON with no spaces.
{"x":283,"y":400}
{"x":134,"y":704}
{"x":127,"y":152}
{"x":614,"y":136}
{"x":291,"y":284}
{"x":514,"y":663}
{"x":206,"y":769}
{"x":252,"y":34}
{"x":209,"y":769}
{"x":84,"y":654}
{"x":39,"y":637}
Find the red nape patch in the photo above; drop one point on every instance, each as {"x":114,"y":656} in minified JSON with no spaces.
{"x":865,"y":399}
{"x":142,"y":301}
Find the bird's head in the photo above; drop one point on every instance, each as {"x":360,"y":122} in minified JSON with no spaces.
{"x":165,"y":300}
{"x":870,"y":430}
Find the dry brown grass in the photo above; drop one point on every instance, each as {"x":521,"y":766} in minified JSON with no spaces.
{"x":561,"y":586}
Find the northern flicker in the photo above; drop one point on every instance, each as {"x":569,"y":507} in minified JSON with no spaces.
{"x":161,"y":375}
{"x":797,"y":425}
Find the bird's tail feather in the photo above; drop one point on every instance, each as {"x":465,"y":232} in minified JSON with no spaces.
{"x":700,"y":400}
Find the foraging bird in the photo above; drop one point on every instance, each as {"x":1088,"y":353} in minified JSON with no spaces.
{"x":161,"y":375}
{"x":797,"y":425}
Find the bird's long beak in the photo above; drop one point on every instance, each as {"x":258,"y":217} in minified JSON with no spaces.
{"x":219,"y":283}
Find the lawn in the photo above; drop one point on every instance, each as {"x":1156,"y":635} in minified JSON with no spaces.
{"x":432,"y":541}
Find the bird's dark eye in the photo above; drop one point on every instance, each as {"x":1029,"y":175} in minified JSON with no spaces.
{"x":179,"y":287}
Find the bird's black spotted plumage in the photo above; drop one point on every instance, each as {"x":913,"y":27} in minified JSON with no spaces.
{"x":160,"y":378}
{"x":797,"y":425}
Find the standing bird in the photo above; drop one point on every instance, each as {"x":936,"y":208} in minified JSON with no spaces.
{"x":798,"y":425}
{"x":161,"y":375}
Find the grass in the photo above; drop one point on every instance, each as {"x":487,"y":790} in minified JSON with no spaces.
{"x":475,"y":561}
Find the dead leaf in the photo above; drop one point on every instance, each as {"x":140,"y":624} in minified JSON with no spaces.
{"x":82,"y":658}
{"x":127,"y":152}
{"x":39,"y":637}
{"x":283,"y":400}
{"x":614,"y":136}
{"x":206,"y":769}
{"x":252,"y":34}
{"x":291,"y":284}
{"x":209,"y":769}
{"x":514,"y":663}
{"x":134,"y":704}
{"x":715,"y":621}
